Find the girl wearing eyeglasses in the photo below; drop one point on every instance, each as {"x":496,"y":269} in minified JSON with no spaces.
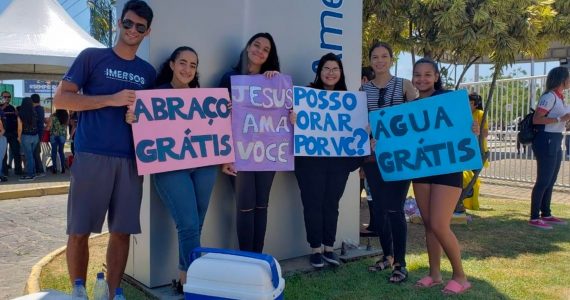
{"x":388,"y":198}
{"x":252,"y":188}
{"x":185,"y":193}
{"x":322,"y":180}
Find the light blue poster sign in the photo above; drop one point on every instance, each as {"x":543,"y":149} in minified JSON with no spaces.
{"x":431,"y":136}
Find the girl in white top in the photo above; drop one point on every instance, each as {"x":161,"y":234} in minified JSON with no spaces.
{"x":551,"y":116}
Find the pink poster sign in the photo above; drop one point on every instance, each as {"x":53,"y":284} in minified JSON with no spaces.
{"x":181,"y":129}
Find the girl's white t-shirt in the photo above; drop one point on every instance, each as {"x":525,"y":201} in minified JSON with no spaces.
{"x":555,"y":107}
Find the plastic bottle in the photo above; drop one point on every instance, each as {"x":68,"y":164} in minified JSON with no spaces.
{"x":119,"y":294}
{"x":79,"y":292}
{"x":101,"y":289}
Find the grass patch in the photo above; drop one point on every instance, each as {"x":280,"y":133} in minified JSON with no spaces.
{"x":502,"y":256}
{"x":54,"y":275}
{"x":504,"y":259}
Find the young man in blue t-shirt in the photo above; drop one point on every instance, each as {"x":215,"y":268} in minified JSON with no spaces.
{"x":103,"y":175}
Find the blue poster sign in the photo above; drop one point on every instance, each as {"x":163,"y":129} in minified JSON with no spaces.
{"x":431,"y":136}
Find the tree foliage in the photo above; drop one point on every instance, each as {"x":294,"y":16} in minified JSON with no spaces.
{"x":101,"y":20}
{"x":463,"y":31}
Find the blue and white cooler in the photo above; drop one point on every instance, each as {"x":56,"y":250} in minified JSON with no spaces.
{"x":232,"y":274}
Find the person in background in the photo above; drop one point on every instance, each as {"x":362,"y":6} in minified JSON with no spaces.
{"x":367,"y":75}
{"x":73,"y":117}
{"x":57,"y":126}
{"x":476,"y":104}
{"x":28,"y":136}
{"x":322,"y":180}
{"x":3,"y":144}
{"x":252,"y":188}
{"x":437,"y":197}
{"x":185,"y":193}
{"x":11,"y":134}
{"x":104,"y":174}
{"x":551,"y":116}
{"x":40,"y":113}
{"x":388,"y":198}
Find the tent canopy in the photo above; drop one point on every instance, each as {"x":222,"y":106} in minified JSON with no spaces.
{"x":39,"y":40}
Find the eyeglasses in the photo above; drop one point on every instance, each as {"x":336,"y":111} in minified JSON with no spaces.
{"x":128,"y":24}
{"x":7,"y":97}
{"x":381,"y":95}
{"x":331,"y":70}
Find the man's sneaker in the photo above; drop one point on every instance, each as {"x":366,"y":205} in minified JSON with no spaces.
{"x":539,"y":224}
{"x":552,"y":220}
{"x":317,"y":260}
{"x":26,"y":178}
{"x":3,"y":178}
{"x":42,"y":174}
{"x":331,"y":258}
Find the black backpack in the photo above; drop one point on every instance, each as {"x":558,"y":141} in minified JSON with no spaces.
{"x":527,"y":130}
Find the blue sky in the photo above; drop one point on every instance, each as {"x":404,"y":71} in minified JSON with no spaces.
{"x":78,"y":10}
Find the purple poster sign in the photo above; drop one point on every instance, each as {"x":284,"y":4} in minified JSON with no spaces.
{"x":263,"y":135}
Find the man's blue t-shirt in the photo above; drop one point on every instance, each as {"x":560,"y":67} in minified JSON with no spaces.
{"x":102,"y":72}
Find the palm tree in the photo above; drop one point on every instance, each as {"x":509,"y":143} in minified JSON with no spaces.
{"x":101,"y":21}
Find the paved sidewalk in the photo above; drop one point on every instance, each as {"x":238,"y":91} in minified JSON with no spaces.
{"x":518,"y":191}
{"x":50,"y":184}
{"x":29,"y":229}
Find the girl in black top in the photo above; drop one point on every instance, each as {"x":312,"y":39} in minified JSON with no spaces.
{"x":322,"y":179}
{"x":252,"y":188}
{"x":28,"y":136}
{"x":437,"y":197}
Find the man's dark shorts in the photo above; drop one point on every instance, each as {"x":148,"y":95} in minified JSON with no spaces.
{"x":101,"y":184}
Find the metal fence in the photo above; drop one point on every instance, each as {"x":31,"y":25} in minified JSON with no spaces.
{"x":511,"y":101}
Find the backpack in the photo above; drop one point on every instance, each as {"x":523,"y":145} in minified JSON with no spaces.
{"x":527,"y":130}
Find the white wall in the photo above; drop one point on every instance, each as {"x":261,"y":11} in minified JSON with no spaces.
{"x":218,"y":31}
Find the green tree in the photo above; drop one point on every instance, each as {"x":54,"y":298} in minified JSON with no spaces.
{"x":102,"y":21}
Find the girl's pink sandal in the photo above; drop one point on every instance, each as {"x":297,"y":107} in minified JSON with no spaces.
{"x":455,"y":288}
{"x":427,"y":282}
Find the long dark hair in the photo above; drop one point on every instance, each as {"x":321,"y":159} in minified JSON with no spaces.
{"x":438,"y":85}
{"x":165,"y":74}
{"x":27,"y":113}
{"x":272,"y":62}
{"x":62,"y":116}
{"x":556,"y":77}
{"x":318,"y":82}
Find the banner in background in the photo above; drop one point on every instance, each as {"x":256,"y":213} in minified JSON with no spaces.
{"x":182,"y":128}
{"x":40,"y":87}
{"x":431,"y":136}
